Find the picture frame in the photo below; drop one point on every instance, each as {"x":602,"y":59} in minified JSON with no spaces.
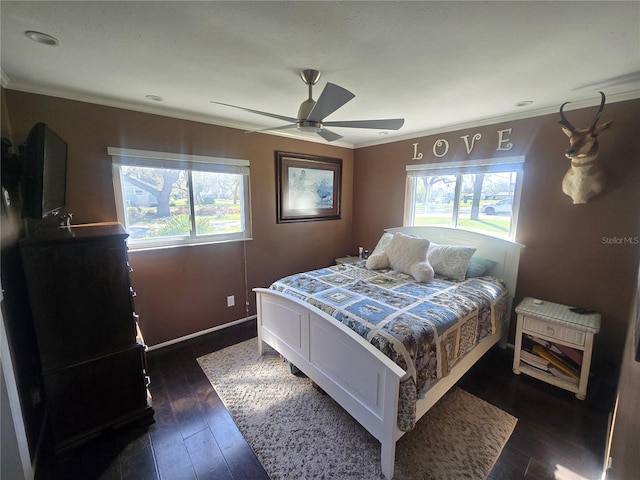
{"x":308,"y":187}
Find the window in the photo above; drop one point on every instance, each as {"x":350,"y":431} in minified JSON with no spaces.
{"x":482,"y":196}
{"x":166,"y":199}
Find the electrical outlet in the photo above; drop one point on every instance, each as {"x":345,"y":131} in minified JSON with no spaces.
{"x":231,"y":300}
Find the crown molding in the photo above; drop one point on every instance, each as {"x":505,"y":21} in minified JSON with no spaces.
{"x":548,"y":110}
{"x":294,"y":134}
{"x":165,"y":112}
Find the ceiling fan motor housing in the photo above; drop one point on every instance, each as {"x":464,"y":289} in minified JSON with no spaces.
{"x":305,"y":109}
{"x":309,"y":126}
{"x":309,"y":77}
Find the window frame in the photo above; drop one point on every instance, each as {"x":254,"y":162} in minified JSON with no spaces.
{"x":458,"y":169}
{"x":122,"y":157}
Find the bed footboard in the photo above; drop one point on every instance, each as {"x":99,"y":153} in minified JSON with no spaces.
{"x":353,"y":372}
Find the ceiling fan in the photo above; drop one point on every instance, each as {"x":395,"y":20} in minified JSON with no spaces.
{"x":312,"y":113}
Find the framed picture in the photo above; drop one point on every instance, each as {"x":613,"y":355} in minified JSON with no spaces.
{"x":307,"y":187}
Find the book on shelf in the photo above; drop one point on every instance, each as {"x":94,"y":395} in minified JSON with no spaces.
{"x":534,"y":360}
{"x":556,"y":372}
{"x":533,"y":340}
{"x":571,"y":353}
{"x":571,"y":356}
{"x":556,"y":361}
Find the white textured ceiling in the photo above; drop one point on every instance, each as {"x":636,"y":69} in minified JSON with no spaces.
{"x":439,"y":65}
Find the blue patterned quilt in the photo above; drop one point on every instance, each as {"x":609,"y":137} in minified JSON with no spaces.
{"x":425,"y":328}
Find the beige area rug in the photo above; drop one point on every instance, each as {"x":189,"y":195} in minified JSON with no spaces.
{"x":298,"y":433}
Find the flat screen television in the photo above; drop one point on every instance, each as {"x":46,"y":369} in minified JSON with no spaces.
{"x":45,"y":173}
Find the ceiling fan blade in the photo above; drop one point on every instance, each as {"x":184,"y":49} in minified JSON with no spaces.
{"x":331,"y":99}
{"x":328,"y":135}
{"x":282,"y":127}
{"x":385,"y":124}
{"x":266,"y":114}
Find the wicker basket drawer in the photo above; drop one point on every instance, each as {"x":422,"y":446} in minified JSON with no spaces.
{"x":554,"y":330}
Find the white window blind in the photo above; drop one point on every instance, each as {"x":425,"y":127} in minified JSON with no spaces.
{"x":174,"y":161}
{"x":491,"y":165}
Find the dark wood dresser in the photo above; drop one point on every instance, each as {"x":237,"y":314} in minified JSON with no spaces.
{"x":91,"y":349}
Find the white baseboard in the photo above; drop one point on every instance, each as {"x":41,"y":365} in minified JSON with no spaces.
{"x":202,"y":332}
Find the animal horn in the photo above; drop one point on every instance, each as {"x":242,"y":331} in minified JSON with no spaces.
{"x":599,"y":114}
{"x":563,"y":120}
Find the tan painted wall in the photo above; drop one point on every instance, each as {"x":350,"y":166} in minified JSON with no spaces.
{"x":183,"y":290}
{"x":565,"y":259}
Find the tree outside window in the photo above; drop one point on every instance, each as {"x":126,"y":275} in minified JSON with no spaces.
{"x":168,"y":206}
{"x":472,"y":197}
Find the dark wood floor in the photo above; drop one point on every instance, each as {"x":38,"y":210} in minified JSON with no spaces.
{"x":194,"y":437}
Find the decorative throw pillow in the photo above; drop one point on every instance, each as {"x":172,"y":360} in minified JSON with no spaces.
{"x":422,"y":272}
{"x":450,"y":261}
{"x":405,"y":254}
{"x":377,"y":261}
{"x":382,"y":244}
{"x":479,"y":266}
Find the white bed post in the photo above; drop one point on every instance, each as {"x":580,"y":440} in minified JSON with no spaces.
{"x":390,"y":431}
{"x":259,"y":323}
{"x":388,"y":458}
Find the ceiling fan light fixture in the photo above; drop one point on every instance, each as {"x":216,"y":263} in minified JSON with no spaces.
{"x":309,"y":127}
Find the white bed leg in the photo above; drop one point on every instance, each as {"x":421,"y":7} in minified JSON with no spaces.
{"x":259,"y":323}
{"x":388,"y":458}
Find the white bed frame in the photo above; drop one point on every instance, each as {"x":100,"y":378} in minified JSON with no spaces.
{"x":353,"y":372}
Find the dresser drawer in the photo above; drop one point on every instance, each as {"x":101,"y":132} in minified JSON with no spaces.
{"x":553,"y":330}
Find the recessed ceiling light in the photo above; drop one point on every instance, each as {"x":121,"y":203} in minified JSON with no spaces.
{"x":524,"y":103}
{"x":42,"y":38}
{"x":154,"y":98}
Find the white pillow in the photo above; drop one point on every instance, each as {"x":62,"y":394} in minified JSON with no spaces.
{"x":383,"y":243}
{"x":405,"y":254}
{"x":377,"y":261}
{"x":450,"y":261}
{"x":422,"y":272}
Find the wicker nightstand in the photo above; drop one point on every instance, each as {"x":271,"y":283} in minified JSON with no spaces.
{"x":557,"y":335}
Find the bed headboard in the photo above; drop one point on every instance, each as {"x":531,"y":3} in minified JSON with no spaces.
{"x":505,"y":253}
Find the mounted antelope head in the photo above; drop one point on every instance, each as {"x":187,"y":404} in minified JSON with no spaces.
{"x":585,"y":178}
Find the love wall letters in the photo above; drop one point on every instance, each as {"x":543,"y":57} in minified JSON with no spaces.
{"x":441,"y":146}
